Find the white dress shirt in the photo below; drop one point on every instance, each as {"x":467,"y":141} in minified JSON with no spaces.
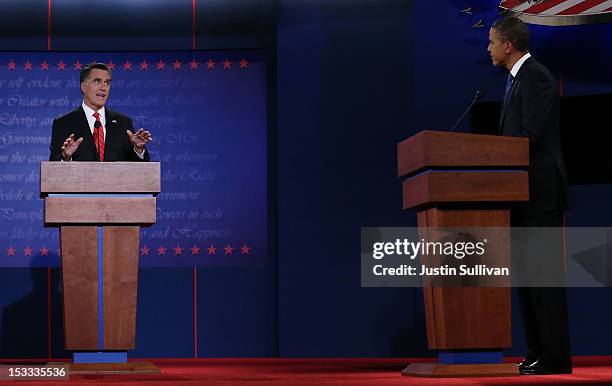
{"x":91,"y":120}
{"x":517,"y":66}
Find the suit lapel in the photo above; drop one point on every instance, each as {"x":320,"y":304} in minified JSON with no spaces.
{"x":515,"y":85}
{"x":86,"y":132}
{"x":114,"y":138}
{"x":110,"y":123}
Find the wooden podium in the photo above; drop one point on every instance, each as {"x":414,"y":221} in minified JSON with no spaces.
{"x":464,"y":180}
{"x":99,"y":208}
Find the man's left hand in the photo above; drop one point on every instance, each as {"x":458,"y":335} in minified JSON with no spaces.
{"x":139,"y":139}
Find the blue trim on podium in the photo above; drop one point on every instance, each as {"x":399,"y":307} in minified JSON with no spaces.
{"x":429,"y":171}
{"x":470,"y":357}
{"x":100,"y":357}
{"x":100,"y":289}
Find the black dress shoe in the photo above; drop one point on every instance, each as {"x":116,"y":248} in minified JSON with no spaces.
{"x":540,"y":367}
{"x":528,"y":361}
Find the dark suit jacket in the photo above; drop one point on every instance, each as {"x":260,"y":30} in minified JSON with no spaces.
{"x":532,"y":110}
{"x":117,"y":145}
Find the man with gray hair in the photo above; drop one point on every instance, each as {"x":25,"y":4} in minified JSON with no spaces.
{"x":94,"y":133}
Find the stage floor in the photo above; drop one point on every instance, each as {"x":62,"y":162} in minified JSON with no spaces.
{"x":318,"y":372}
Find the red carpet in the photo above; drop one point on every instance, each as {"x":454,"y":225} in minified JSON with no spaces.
{"x":318,"y":372}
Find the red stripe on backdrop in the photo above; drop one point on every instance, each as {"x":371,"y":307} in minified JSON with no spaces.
{"x":512,"y":3}
{"x":543,"y":6}
{"x":564,"y":244}
{"x":49,"y":25}
{"x":49,"y":312}
{"x":195,"y":312}
{"x":564,"y":222}
{"x":608,"y":10}
{"x":578,"y":8}
{"x":193,"y":24}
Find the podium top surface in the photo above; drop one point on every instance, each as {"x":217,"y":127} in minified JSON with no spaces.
{"x":100,"y":177}
{"x":440,"y":149}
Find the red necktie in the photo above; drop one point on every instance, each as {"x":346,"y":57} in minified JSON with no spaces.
{"x":99,"y":136}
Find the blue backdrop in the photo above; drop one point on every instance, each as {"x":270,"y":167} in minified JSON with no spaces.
{"x":207,"y":113}
{"x":347,"y":80}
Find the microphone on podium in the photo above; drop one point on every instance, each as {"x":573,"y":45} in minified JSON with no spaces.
{"x":477,"y":97}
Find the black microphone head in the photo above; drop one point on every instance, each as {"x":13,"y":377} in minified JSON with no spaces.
{"x":97,"y":124}
{"x":479,"y":94}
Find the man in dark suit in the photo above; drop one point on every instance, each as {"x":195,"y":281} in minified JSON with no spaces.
{"x":94,"y":133}
{"x":531,"y":109}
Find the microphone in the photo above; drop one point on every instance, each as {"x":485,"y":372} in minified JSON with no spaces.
{"x":477,"y":97}
{"x":97,"y":125}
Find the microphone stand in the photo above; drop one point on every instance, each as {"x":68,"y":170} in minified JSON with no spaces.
{"x":477,"y":97}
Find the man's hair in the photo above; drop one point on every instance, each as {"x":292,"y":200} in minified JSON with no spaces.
{"x":85,"y":71}
{"x":513,"y":30}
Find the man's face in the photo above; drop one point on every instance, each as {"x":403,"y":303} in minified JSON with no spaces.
{"x":498,"y":49}
{"x":96,"y":88}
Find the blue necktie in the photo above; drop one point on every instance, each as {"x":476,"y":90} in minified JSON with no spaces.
{"x":508,"y":88}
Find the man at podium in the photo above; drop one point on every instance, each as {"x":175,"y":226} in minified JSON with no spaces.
{"x":94,"y":133}
{"x":531,"y":109}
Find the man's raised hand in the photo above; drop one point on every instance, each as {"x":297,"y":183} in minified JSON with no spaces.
{"x":70,"y":146}
{"x":139,"y":139}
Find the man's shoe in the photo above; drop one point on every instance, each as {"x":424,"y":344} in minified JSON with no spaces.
{"x":540,"y":367}
{"x":528,"y":361}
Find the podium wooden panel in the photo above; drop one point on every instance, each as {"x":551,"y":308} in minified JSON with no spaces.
{"x":93,"y":177}
{"x":434,"y":149}
{"x":100,"y":207}
{"x":79,"y":253}
{"x":464,"y":180}
{"x":460,"y":186}
{"x":466,"y":317}
{"x":120,"y":283}
{"x":103,"y":210}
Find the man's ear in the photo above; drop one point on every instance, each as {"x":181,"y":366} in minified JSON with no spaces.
{"x":509,"y":47}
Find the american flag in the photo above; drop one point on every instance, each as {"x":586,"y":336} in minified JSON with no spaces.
{"x":559,"y":12}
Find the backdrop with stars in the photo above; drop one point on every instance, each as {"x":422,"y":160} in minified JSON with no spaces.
{"x":207,"y":114}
